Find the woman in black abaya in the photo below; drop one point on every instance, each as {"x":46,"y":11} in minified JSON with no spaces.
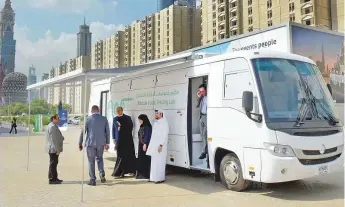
{"x":144,"y":135}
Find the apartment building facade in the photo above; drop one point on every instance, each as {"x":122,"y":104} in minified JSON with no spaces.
{"x":127,"y":46}
{"x":113,"y":50}
{"x":51,"y":89}
{"x":337,"y":10}
{"x":83,"y":62}
{"x":222,"y":19}
{"x":70,"y":66}
{"x":135,"y":43}
{"x":174,"y":28}
{"x":97,"y":55}
{"x":147,"y":39}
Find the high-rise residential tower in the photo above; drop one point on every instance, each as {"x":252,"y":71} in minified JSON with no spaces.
{"x":222,"y":19}
{"x":84,"y":40}
{"x":163,"y":4}
{"x":7,"y":43}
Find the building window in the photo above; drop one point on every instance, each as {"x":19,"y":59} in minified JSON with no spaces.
{"x":270,"y":23}
{"x":250,"y":2}
{"x":214,"y":32}
{"x":214,"y":24}
{"x":292,"y":18}
{"x":221,"y":18}
{"x":308,"y":22}
{"x":292,"y":7}
{"x":269,"y":4}
{"x":250,"y":11}
{"x":308,"y":10}
{"x":250,"y":29}
{"x":250,"y":20}
{"x":222,"y":36}
{"x":269,"y":14}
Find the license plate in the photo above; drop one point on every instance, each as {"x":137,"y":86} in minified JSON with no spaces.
{"x":323,"y":169}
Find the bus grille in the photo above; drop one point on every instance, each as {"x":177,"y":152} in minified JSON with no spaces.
{"x":317,"y":152}
{"x":318,"y":161}
{"x":317,"y":133}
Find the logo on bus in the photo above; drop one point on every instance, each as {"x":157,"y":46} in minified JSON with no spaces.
{"x":112,"y":105}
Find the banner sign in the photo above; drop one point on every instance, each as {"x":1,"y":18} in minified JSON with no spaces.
{"x":63,"y":115}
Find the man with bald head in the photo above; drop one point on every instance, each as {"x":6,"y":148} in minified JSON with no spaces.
{"x":97,"y":140}
{"x":124,"y":144}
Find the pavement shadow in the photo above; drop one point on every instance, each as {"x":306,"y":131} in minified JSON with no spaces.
{"x":122,"y":182}
{"x":194,"y":181}
{"x":73,"y":182}
{"x":301,"y":191}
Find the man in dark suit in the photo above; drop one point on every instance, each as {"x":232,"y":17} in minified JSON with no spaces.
{"x":54,"y":146}
{"x":97,"y":139}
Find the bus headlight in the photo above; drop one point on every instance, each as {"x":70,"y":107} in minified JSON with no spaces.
{"x":280,"y":150}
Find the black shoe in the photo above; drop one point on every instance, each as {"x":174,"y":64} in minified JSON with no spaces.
{"x":92,"y":183}
{"x":58,"y":180}
{"x":202,"y":156}
{"x":103,"y":180}
{"x":54,"y":182}
{"x":139,"y":177}
{"x":158,"y":182}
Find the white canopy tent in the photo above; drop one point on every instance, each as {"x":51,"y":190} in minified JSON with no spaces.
{"x":89,"y":76}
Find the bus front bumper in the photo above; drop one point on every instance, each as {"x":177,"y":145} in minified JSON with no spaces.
{"x":276,"y":169}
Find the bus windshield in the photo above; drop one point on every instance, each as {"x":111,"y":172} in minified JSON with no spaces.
{"x":290,"y":88}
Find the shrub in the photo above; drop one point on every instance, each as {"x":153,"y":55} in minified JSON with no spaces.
{"x":45,"y":120}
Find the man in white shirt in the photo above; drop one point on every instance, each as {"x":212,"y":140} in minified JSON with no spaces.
{"x":158,"y":148}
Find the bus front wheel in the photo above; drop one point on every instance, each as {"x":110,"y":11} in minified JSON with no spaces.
{"x":231,"y":173}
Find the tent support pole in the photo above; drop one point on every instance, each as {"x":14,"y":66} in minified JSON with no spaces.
{"x":84,"y":137}
{"x":29,"y":124}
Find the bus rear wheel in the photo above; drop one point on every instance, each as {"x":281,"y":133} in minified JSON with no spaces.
{"x":231,"y":173}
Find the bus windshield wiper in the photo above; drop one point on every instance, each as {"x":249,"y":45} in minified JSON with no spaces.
{"x":301,"y":113}
{"x":313,"y":101}
{"x":307,"y":105}
{"x":331,"y":119}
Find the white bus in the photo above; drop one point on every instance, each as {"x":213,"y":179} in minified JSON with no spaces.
{"x":270,"y":115}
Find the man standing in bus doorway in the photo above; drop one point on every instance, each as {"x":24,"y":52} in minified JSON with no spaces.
{"x":97,"y":140}
{"x":202,"y":104}
{"x":158,"y":149}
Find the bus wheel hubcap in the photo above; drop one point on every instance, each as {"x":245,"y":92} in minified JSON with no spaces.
{"x":231,"y":173}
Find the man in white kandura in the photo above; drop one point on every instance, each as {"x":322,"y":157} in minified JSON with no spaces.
{"x":158,"y":148}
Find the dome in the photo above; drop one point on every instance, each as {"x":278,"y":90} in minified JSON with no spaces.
{"x":14,"y":87}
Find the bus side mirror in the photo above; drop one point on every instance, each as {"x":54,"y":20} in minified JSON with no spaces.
{"x":247,"y":101}
{"x":248,"y":105}
{"x":329,"y":88}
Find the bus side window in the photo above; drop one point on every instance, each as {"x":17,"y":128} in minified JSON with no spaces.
{"x":236,"y":83}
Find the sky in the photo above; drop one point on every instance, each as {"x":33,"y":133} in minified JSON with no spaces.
{"x":46,"y":30}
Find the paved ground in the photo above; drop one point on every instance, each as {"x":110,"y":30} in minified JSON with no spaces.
{"x":5,"y":129}
{"x":19,"y":187}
